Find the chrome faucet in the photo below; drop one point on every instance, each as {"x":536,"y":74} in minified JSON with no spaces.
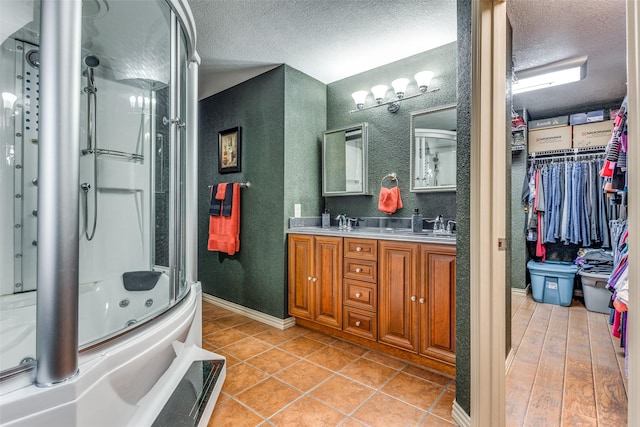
{"x":342,"y":219}
{"x":449,"y":226}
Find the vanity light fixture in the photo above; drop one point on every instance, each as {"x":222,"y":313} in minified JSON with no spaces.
{"x":423,"y":78}
{"x":548,"y":75}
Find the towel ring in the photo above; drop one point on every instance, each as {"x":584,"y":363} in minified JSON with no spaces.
{"x":391,"y":177}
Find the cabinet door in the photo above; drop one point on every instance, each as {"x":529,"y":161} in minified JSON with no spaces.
{"x":328,"y":281}
{"x":437,"y":298}
{"x":397,"y":296}
{"x":301,"y":275}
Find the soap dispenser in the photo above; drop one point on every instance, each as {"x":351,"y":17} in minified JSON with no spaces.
{"x":416,"y":221}
{"x":326,"y":219}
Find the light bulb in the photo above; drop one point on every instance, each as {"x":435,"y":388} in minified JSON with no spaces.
{"x":400,"y":86}
{"x":360,"y":97}
{"x":379,"y":92}
{"x":423,"y":78}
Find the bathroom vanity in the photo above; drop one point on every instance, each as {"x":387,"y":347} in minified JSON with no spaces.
{"x":390,"y":290}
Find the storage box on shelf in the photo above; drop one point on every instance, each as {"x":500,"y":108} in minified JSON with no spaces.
{"x":592,"y":134}
{"x":556,"y":138}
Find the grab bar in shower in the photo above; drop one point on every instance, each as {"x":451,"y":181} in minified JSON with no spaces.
{"x":129,"y":156}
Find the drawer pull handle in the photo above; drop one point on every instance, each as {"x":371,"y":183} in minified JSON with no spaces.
{"x":315,"y":279}
{"x":358,"y":270}
{"x":358,"y":249}
{"x":309,"y":278}
{"x":413,"y":297}
{"x":358,"y":323}
{"x":421,"y":300}
{"x":358,"y":294}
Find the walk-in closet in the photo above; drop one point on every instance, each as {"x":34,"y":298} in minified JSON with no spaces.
{"x":568,"y":306}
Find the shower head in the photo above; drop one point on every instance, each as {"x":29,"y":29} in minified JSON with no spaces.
{"x":91,"y":61}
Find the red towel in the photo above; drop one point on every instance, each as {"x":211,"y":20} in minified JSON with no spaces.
{"x":389,"y":200}
{"x":224,"y":231}
{"x":221,"y":190}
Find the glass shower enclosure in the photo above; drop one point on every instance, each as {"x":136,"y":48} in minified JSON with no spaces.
{"x":122,"y":187}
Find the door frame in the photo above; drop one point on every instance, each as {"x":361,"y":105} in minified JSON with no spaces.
{"x":487,"y":162}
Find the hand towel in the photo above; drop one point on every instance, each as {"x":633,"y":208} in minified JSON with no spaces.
{"x":224,"y":231}
{"x":389,"y":200}
{"x":221,"y":199}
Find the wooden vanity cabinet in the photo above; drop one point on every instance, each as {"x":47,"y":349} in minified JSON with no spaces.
{"x":416,"y":309}
{"x":360,"y":290}
{"x":397,"y":290}
{"x":315,"y":279}
{"x":437,"y":302}
{"x":393,"y":296}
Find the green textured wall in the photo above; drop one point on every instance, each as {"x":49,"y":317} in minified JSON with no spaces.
{"x":463,"y":210}
{"x":255,"y":277}
{"x":389,"y":135}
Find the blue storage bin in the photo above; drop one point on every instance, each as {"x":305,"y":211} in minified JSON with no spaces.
{"x":552,"y":281}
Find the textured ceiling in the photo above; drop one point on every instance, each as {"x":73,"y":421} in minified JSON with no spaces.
{"x":546,"y":31}
{"x":326,"y":39}
{"x":333,"y":39}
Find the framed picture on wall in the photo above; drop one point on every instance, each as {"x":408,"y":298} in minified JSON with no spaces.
{"x":229,"y":150}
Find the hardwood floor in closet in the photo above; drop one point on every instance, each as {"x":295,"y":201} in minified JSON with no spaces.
{"x":568,"y":369}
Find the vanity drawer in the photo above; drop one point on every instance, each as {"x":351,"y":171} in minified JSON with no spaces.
{"x":360,"y":295}
{"x":360,"y":270}
{"x":361,"y":248}
{"x":360,"y":323}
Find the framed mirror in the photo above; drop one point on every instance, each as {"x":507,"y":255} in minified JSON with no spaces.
{"x":344,"y":161}
{"x":433,"y":149}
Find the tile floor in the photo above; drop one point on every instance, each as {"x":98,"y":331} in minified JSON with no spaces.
{"x":298,"y":377}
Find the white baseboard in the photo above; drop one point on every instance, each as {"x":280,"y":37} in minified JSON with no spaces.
{"x":509,"y":360}
{"x":460,"y":416}
{"x":521,"y":291}
{"x":281,"y":324}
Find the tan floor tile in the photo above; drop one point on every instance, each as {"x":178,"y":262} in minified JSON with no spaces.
{"x":222,"y":397}
{"x":426,"y":374}
{"x":445,"y":406}
{"x":301,"y":346}
{"x":368,"y":372}
{"x":230,"y":359}
{"x":253,"y":327}
{"x":232,"y":320}
{"x":434,"y":421}
{"x":351,"y":348}
{"x":383,"y":359}
{"x":452,"y":386}
{"x":208,"y":346}
{"x":273,"y":360}
{"x":342,"y":394}
{"x":226,"y":337}
{"x":269,"y":397}
{"x":352,"y":423}
{"x":307,"y":412}
{"x":233,"y":414}
{"x":332,"y":358}
{"x":416,"y":391}
{"x":385,"y":411}
{"x":247,"y":348}
{"x":276,"y":336}
{"x":211,"y":311}
{"x":240,"y":377}
{"x":319,"y":336}
{"x":210,"y":326}
{"x":304,"y":375}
